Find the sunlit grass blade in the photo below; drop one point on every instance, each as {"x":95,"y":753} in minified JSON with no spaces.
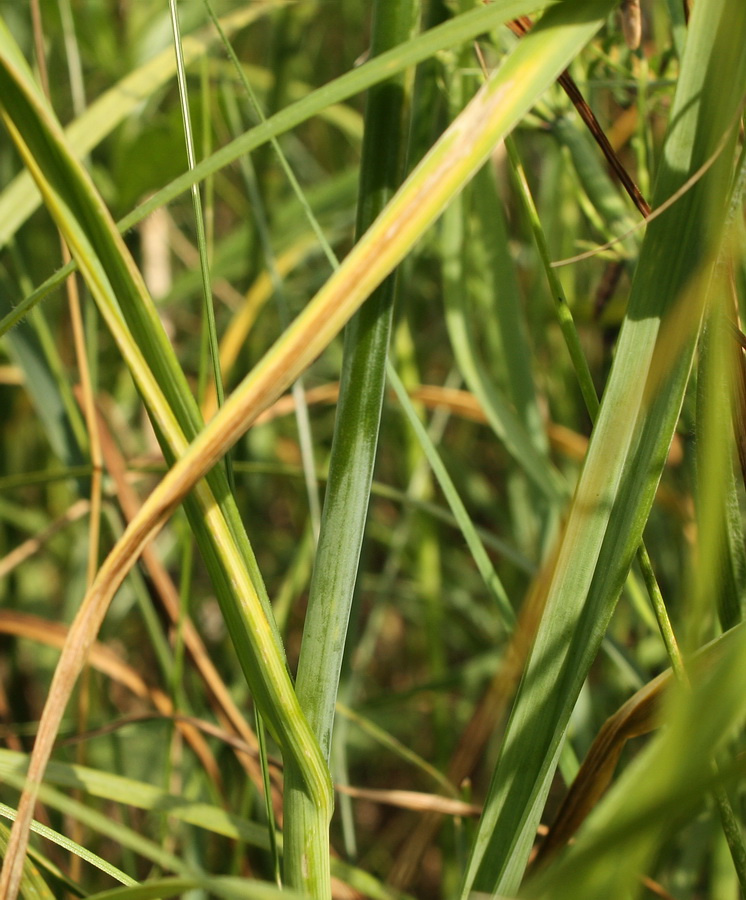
{"x":95,"y":820}
{"x":638,"y":414}
{"x":63,"y":841}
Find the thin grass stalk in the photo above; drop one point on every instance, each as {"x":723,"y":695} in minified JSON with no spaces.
{"x":68,"y":844}
{"x":638,"y":415}
{"x":476,"y":547}
{"x":94,"y":441}
{"x":357,"y":423}
{"x":199,"y":219}
{"x":261,"y":734}
{"x":561,"y":306}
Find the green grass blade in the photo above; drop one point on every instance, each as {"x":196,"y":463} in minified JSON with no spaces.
{"x":361,"y":397}
{"x":97,"y":821}
{"x":67,"y":844}
{"x":603,"y":194}
{"x":639,"y":411}
{"x":463,"y":28}
{"x":528,"y":71}
{"x":506,"y":350}
{"x":199,"y":219}
{"x":226,"y":887}
{"x":717,"y":501}
{"x":357,"y":423}
{"x":140,"y":795}
{"x":33,"y":886}
{"x":462,"y":333}
{"x":25,"y":349}
{"x":460,"y":514}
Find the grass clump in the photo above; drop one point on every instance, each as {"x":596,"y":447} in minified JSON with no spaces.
{"x":375,"y":614}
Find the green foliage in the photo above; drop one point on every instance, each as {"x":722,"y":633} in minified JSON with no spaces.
{"x":472,"y":591}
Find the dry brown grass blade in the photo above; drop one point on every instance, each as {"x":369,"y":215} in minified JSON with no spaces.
{"x":459,"y":403}
{"x":103,"y":659}
{"x":522,"y":26}
{"x":414,"y":800}
{"x":631,"y":23}
{"x":638,"y":716}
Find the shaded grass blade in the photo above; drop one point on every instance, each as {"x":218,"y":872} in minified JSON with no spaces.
{"x":357,"y":423}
